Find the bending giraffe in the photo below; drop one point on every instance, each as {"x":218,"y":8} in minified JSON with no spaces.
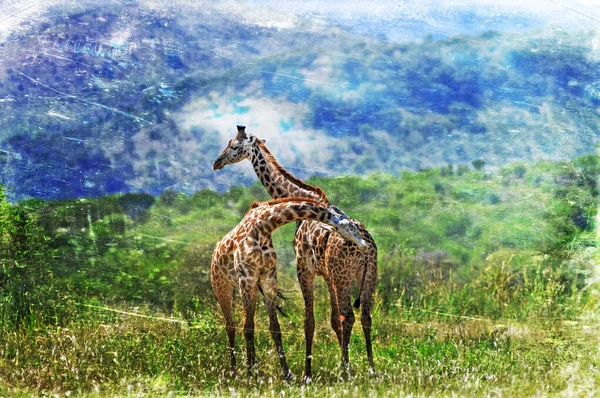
{"x":318,"y":251}
{"x":245,"y":257}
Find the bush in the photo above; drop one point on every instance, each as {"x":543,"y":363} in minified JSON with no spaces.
{"x":28,"y":293}
{"x":136,"y":205}
{"x":478,"y":164}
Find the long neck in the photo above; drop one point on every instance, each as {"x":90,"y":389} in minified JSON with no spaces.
{"x":277,"y":181}
{"x":277,"y":215}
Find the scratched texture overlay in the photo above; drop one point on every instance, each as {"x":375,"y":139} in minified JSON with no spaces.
{"x":463,"y":134}
{"x":120,"y":96}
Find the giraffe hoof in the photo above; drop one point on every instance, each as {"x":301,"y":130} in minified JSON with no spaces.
{"x":288,"y":376}
{"x":345,"y":372}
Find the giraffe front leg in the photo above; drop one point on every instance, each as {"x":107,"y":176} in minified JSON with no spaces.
{"x":248,"y":293}
{"x":269,"y":286}
{"x":306,"y":277}
{"x":347,"y":315}
{"x":339,"y":270}
{"x":336,"y":323}
{"x":223,"y":291}
{"x":225,"y":300}
{"x":367,"y":305}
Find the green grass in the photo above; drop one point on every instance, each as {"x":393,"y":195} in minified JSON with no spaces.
{"x":487,"y":287}
{"x":115,"y":354}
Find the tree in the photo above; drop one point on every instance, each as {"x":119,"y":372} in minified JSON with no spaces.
{"x":136,"y":205}
{"x":478,"y":164}
{"x":24,"y":258}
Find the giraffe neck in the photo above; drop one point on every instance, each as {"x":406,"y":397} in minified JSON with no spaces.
{"x":274,"y":216}
{"x":278,"y":182}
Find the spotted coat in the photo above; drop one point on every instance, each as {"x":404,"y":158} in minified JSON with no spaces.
{"x":319,"y":251}
{"x":245,"y":257}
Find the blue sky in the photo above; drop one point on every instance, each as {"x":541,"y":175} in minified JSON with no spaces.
{"x":397,"y":20}
{"x":410,"y":19}
{"x":271,"y":96}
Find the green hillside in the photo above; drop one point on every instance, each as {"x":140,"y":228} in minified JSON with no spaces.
{"x":458,"y":245}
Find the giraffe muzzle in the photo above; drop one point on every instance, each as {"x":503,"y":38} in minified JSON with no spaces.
{"x":217,"y":165}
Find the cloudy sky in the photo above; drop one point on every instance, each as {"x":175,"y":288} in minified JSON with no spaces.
{"x":397,"y":20}
{"x":304,"y":136}
{"x":407,"y":19}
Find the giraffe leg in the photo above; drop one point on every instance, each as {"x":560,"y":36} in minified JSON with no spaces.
{"x":306,"y":277}
{"x":223,"y":290}
{"x":268,"y":283}
{"x":347,"y":315}
{"x":248,"y":290}
{"x":225,"y":300}
{"x":367,"y":305}
{"x":336,"y":323}
{"x":340,"y":270}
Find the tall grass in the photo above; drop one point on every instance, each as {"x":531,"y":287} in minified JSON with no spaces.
{"x":486,"y":287}
{"x":108,"y":353}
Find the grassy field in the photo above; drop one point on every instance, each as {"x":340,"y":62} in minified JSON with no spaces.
{"x":432,"y":355}
{"x":488,"y":287}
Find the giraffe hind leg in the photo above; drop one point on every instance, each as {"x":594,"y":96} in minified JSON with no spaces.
{"x":270,"y":293}
{"x":367,"y":306}
{"x":347,"y":314}
{"x":280,"y":295}
{"x":336,"y":323}
{"x":306,"y":278}
{"x":248,"y":293}
{"x":224,"y":297}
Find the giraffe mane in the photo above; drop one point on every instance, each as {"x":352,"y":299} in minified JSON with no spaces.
{"x":285,"y":200}
{"x":296,"y":181}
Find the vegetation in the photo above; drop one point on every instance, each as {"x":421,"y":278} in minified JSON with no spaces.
{"x":487,"y":285}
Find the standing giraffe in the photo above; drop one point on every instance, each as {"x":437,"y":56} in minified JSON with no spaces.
{"x":318,"y":251}
{"x":245,"y":257}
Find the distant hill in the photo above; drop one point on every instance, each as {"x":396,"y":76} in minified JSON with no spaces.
{"x":119,"y":97}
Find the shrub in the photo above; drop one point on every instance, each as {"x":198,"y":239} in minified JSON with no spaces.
{"x":478,"y":164}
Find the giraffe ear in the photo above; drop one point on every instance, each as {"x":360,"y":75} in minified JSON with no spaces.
{"x":241,"y":135}
{"x":264,"y":140}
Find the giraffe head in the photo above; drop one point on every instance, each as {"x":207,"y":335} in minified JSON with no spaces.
{"x":347,"y":227}
{"x":238,"y":149}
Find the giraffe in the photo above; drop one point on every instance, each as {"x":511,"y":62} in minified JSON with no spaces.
{"x":318,"y":251}
{"x":245,"y":257}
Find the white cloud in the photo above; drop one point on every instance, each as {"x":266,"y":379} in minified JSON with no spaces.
{"x":280,"y":122}
{"x":256,"y":14}
{"x":569,"y":13}
{"x":14,"y":13}
{"x":261,"y":16}
{"x":391,"y":9}
{"x":322,"y":72}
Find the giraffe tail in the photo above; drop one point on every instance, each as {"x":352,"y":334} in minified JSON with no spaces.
{"x":283,"y":314}
{"x":279,"y":294}
{"x":362,"y":285}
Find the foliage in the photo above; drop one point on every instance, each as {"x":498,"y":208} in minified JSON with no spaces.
{"x":476,"y":269}
{"x":478,"y":164}
{"x":28,"y":292}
